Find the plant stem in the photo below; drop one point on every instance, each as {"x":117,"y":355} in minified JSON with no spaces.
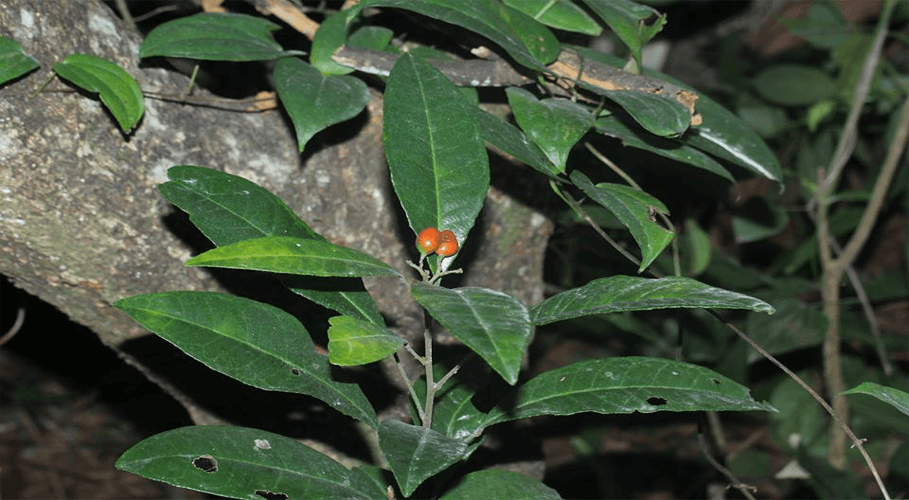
{"x":413,"y":392}
{"x":430,"y":385}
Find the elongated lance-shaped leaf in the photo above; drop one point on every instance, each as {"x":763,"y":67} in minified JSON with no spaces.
{"x":635,"y":209}
{"x":555,"y":125}
{"x":660,"y":115}
{"x":257,"y":344}
{"x":721,"y":133}
{"x":438,"y":163}
{"x":894,"y":397}
{"x":214,"y":36}
{"x":13,"y":60}
{"x":637,"y":138}
{"x":356,"y":342}
{"x":632,"y":293}
{"x":239,"y":462}
{"x":563,"y":15}
{"x":625,"y":385}
{"x":315,"y":101}
{"x":527,"y":41}
{"x":415,"y":454}
{"x":228,"y":209}
{"x":119,"y":91}
{"x":491,"y":323}
{"x":282,"y":254}
{"x":511,"y":140}
{"x":495,"y":483}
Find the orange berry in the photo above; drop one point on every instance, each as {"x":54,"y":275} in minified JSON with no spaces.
{"x":448,"y":244}
{"x":428,"y":240}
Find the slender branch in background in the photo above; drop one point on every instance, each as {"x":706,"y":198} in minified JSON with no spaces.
{"x":123,"y":9}
{"x":856,"y":442}
{"x":734,"y":481}
{"x":20,"y":319}
{"x":834,"y":268}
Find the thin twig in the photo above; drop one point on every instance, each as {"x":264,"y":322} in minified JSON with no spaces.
{"x":734,"y":481}
{"x":413,"y":392}
{"x":17,"y":325}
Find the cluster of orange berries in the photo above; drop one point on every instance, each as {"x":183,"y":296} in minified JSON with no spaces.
{"x":432,"y":240}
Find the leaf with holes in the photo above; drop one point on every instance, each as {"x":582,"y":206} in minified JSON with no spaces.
{"x":315,"y":101}
{"x":415,"y":454}
{"x":214,"y":36}
{"x":255,"y":343}
{"x":491,"y":323}
{"x":119,"y":91}
{"x":228,"y":209}
{"x":625,"y":385}
{"x":632,"y":293}
{"x":282,"y":254}
{"x":355,"y":342}
{"x":240,"y":462}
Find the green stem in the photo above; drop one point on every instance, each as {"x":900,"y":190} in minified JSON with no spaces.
{"x":430,"y":384}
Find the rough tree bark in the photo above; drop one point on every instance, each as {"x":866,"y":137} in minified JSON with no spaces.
{"x":82,"y":224}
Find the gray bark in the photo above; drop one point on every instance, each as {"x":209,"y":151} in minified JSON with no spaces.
{"x":82,"y":224}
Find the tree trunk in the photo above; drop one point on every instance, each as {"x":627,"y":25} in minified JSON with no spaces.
{"x":82,"y":223}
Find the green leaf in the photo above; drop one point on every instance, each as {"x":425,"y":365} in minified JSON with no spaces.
{"x":555,"y":125}
{"x":527,"y":41}
{"x":794,"y":85}
{"x":438,"y":163}
{"x":511,"y":140}
{"x":625,"y":385}
{"x":13,"y":60}
{"x":119,"y":91}
{"x":215,"y":36}
{"x":240,"y":462}
{"x":759,"y":218}
{"x":721,"y":134}
{"x":562,"y":14}
{"x":639,"y":139}
{"x":824,"y":27}
{"x":352,"y":342}
{"x":255,"y":343}
{"x":894,"y":397}
{"x":635,"y":209}
{"x":501,"y":485}
{"x":331,"y":34}
{"x":314,"y":101}
{"x":415,"y":454}
{"x":228,"y":209}
{"x":632,"y":293}
{"x":660,"y":115}
{"x":282,"y":254}
{"x":372,"y":37}
{"x":698,"y":247}
{"x":493,"y":324}
{"x":628,"y":20}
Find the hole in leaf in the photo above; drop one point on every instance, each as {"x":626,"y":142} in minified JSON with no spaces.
{"x":271,"y":495}
{"x":716,"y":381}
{"x":294,"y":371}
{"x":206,"y":463}
{"x":656,"y":401}
{"x":262,"y":444}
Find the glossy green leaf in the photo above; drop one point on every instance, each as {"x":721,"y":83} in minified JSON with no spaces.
{"x":119,"y":91}
{"x":415,"y":454}
{"x":315,"y":101}
{"x":635,"y":209}
{"x":721,"y":134}
{"x":255,"y":343}
{"x":511,"y":140}
{"x":501,"y":485}
{"x":562,"y":14}
{"x":632,"y":293}
{"x":352,"y":342}
{"x":332,"y":34}
{"x":794,"y":85}
{"x":436,"y":156}
{"x":13,"y":60}
{"x":228,"y":209}
{"x":213,"y":36}
{"x":660,"y":115}
{"x":894,"y":397}
{"x":555,"y":125}
{"x":629,"y":21}
{"x":282,"y":254}
{"x":637,"y":138}
{"x":239,"y":462}
{"x":491,"y":323}
{"x":625,"y":385}
{"x":527,"y":41}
